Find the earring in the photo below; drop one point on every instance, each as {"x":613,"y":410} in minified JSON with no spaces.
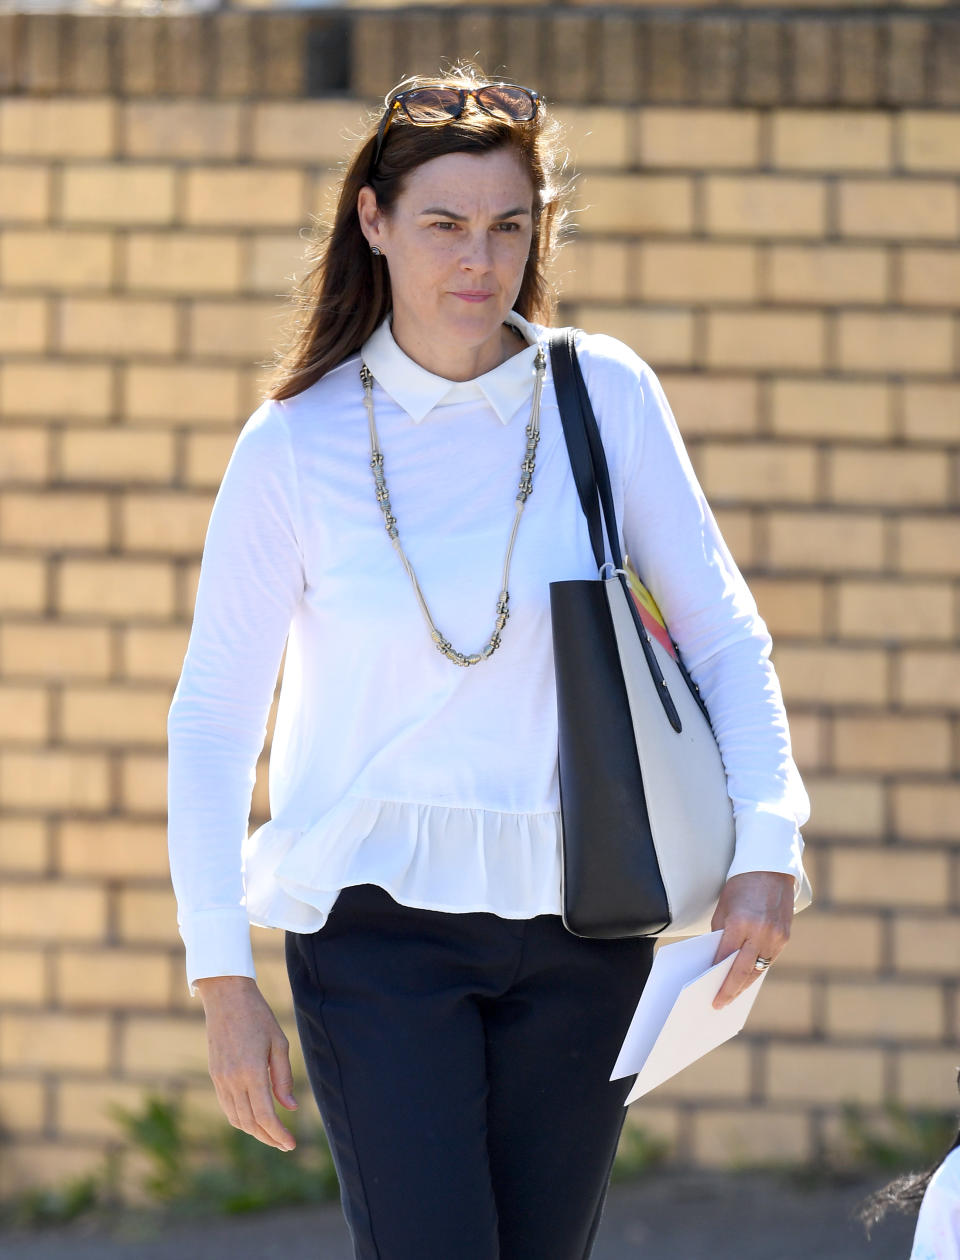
{"x":376,"y":250}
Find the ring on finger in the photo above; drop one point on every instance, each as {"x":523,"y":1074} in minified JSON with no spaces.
{"x":762,"y":964}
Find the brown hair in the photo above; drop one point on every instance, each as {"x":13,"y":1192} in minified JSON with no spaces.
{"x":346,"y":292}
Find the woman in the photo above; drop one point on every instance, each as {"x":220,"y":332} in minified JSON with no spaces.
{"x":458,"y":1038}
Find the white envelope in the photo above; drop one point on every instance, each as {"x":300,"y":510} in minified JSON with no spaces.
{"x":675,"y":1023}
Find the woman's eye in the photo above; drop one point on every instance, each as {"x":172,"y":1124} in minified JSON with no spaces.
{"x":444,"y":225}
{"x":513,"y":227}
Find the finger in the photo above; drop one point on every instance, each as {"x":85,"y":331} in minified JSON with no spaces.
{"x":731,"y":940}
{"x":281,"y":1073}
{"x":254,"y":1120}
{"x":740,"y":976}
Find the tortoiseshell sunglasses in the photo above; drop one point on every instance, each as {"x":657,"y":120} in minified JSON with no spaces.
{"x":439,"y":104}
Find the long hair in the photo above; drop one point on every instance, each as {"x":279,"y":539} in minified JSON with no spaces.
{"x":345,"y":293}
{"x":903,"y":1194}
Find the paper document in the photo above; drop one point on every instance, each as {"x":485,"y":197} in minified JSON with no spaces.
{"x":675,"y":1022}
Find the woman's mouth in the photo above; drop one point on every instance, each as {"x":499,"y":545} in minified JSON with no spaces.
{"x":473,"y":297}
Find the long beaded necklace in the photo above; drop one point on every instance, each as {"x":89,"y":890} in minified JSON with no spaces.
{"x":526,"y":487}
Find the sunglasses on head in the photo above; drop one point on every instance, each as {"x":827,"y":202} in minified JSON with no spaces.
{"x":440,"y":104}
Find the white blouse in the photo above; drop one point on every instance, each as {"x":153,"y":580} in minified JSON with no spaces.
{"x":937,"y":1234}
{"x":390,"y":764}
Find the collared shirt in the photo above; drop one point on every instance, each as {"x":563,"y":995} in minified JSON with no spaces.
{"x":391,"y":764}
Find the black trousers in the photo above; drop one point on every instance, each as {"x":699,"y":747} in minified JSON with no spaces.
{"x":460,"y":1063}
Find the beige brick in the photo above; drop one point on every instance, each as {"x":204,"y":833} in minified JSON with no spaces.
{"x":738,"y":532}
{"x":930,"y":277}
{"x":929,"y":140}
{"x":927,"y":944}
{"x":845,"y":806}
{"x":54,"y":1040}
{"x":277,"y":262}
{"x":824,"y":1074}
{"x":178,"y":393}
{"x":60,"y":391}
{"x":24,"y":716}
{"x":22,"y":1106}
{"x":697,"y":271}
{"x":54,"y":519}
{"x":143,"y":783}
{"x":24,"y":455}
{"x":238,"y":329}
{"x":728,"y":1139}
{"x":23,"y":845}
{"x":115,"y":848}
{"x":312,"y":132}
{"x":765,"y":339}
{"x":83,"y":1106}
{"x":926,"y":810}
{"x":112,"y":977}
{"x":833,"y":941}
{"x":22,"y":980}
{"x":52,"y":910}
{"x":884,"y":1008}
{"x":907,"y":209}
{"x":598,"y":270}
{"x":174,"y":524}
{"x":789,"y":606}
{"x":23,"y":586}
{"x":929,"y":544}
{"x":116,"y":587}
{"x":247,"y":197}
{"x":133,"y":194}
{"x":659,"y":335}
{"x":697,"y":138}
{"x":831,"y":675}
{"x":181,"y":129}
{"x":600,"y":136}
{"x":825,"y":541}
{"x":931,"y":411}
{"x":888,"y":876}
{"x":66,"y":127}
{"x":153,"y":652}
{"x":36,"y":1164}
{"x":117,"y":455}
{"x":785,"y":1004}
{"x":53,"y":779}
{"x":635,"y":203}
{"x":889,"y":742}
{"x":59,"y":259}
{"x":183,"y":262}
{"x":891,"y":341}
{"x":928,"y":1078}
{"x":831,"y":409}
{"x":23,"y":324}
{"x":764,"y":205}
{"x":714,"y":405}
{"x":831,"y":139}
{"x":168,"y":1045}
{"x":758,"y":472}
{"x":930,"y":678}
{"x":893,"y":476}
{"x":24,"y":192}
{"x":724,"y":1073}
{"x":119,"y":326}
{"x":895,"y":610}
{"x":114,"y":714}
{"x":54,"y":650}
{"x":808,"y":737}
{"x":827,"y":274}
{"x":148,"y":916}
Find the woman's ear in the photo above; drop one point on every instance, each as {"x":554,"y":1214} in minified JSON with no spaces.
{"x":369,"y":215}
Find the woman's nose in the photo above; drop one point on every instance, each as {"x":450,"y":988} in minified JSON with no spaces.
{"x":477,"y":252}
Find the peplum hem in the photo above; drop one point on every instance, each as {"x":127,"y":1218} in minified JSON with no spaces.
{"x":434,"y":856}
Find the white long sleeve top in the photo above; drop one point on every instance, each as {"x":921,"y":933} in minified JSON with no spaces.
{"x":390,"y":764}
{"x":937,"y":1235}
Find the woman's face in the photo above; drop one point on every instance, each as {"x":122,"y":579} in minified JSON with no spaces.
{"x":462,"y":225}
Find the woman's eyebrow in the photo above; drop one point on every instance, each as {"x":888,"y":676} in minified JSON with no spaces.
{"x":450,"y":214}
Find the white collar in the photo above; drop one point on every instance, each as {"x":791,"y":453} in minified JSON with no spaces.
{"x":418,"y":391}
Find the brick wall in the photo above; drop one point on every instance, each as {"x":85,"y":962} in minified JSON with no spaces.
{"x":769,"y":214}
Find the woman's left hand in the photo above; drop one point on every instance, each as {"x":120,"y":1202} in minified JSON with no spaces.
{"x":755,"y":912}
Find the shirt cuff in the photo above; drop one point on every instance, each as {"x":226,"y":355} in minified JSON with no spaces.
{"x":768,"y":841}
{"x":217,"y":943}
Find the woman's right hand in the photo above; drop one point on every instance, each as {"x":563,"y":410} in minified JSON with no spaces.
{"x":248,"y":1054}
